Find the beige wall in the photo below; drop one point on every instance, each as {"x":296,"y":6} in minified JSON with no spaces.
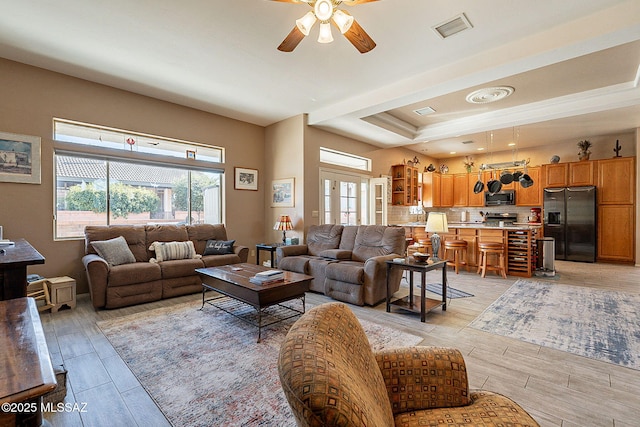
{"x":32,"y":97}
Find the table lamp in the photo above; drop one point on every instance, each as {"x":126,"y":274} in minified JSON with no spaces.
{"x":436,"y":223}
{"x":283,"y":224}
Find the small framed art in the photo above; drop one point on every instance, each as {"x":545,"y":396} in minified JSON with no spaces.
{"x":19,"y":158}
{"x":246,"y":179}
{"x":282,"y":193}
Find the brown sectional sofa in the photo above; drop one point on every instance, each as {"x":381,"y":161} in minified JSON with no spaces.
{"x":348,"y":263}
{"x":144,"y":281}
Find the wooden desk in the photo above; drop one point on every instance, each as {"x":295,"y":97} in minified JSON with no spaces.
{"x":13,"y":268}
{"x":25,"y":366}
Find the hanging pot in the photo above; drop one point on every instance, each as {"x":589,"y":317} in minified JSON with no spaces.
{"x":506,"y":177}
{"x":479,"y":185}
{"x":494,"y":185}
{"x":525,"y":179}
{"x":516,"y":176}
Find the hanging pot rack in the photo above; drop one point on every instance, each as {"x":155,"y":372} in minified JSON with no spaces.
{"x":504,"y":165}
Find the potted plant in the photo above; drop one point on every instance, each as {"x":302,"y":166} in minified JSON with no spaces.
{"x":584,"y":152}
{"x":468,"y":163}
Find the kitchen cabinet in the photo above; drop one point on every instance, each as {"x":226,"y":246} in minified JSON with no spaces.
{"x":555,"y":175}
{"x":616,"y":181}
{"x":616,"y":232}
{"x":446,"y":190}
{"x":520,"y":259}
{"x":461,"y":189}
{"x":531,"y":196}
{"x":431,"y":189}
{"x":582,"y":173}
{"x":475,"y":200}
{"x":470,"y":236}
{"x":404,"y":185}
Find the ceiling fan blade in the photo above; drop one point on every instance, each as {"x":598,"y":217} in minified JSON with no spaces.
{"x":351,"y":2}
{"x":359,"y":38}
{"x":292,"y":40}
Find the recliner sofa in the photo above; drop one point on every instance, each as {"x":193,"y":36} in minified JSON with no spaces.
{"x":348,"y":263}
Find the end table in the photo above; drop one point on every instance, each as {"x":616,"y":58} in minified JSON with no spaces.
{"x":269,"y":247}
{"x":63,"y":292}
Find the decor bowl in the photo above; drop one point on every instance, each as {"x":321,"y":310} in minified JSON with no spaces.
{"x":420,"y":257}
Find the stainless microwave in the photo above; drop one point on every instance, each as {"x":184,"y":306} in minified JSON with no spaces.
{"x":507,"y":197}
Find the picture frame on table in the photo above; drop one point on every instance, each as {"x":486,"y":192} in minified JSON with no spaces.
{"x":246,"y":179}
{"x":19,"y":158}
{"x":282,"y":193}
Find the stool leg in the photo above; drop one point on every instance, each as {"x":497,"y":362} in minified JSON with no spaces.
{"x":485,"y":257}
{"x":503,"y":268}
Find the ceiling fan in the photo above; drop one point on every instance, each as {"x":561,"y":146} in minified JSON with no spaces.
{"x":326,"y":11}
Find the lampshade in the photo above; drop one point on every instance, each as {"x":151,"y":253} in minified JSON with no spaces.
{"x":305,"y":23}
{"x":437,"y":223}
{"x":325,"y":35}
{"x":342,"y":20}
{"x":283,"y":223}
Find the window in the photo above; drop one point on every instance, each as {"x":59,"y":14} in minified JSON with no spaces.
{"x":95,"y":189}
{"x":344,"y":159}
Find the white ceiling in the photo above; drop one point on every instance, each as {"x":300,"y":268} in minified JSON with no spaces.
{"x":573,"y":64}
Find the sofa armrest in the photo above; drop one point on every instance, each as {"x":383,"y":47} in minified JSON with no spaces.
{"x":424,"y":377}
{"x":242,"y":252}
{"x":97,"y":269}
{"x":291,"y":250}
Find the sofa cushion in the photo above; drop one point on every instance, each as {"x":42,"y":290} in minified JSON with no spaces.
{"x":164,"y":233}
{"x":348,"y":239}
{"x":200,"y":233}
{"x":180,"y":268}
{"x":344,"y":272}
{"x":166,"y":251}
{"x":138,"y":272}
{"x":335,"y":254}
{"x":377,"y":240}
{"x":218,"y":247}
{"x":322,"y":237}
{"x":298,"y":264}
{"x":216,"y":260}
{"x":133,"y":234}
{"x":114,"y":251}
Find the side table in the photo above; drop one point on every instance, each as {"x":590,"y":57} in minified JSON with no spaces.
{"x":418,"y":304}
{"x":269,"y":247}
{"x":63,"y":292}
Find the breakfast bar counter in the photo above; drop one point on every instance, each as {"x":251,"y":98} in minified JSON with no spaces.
{"x":519,"y":240}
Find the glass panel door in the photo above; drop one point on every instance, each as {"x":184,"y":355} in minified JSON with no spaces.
{"x":340,"y":198}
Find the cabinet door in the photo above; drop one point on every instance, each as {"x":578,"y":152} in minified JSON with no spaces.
{"x":531,"y":196}
{"x":616,"y":181}
{"x":446,"y":190}
{"x":476,"y":200}
{"x":582,"y":173}
{"x":397,"y":185}
{"x":616,"y":233}
{"x":555,"y":175}
{"x":461,"y":189}
{"x":469,"y":235}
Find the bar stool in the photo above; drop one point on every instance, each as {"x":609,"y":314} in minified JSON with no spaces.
{"x":492,"y":248}
{"x":459,"y":249}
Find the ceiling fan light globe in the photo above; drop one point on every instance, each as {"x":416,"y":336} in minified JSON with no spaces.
{"x":342,"y":20}
{"x":325,"y":35}
{"x":305,"y":23}
{"x":323,"y":9}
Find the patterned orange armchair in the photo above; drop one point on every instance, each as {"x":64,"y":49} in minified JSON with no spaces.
{"x":331,"y":377}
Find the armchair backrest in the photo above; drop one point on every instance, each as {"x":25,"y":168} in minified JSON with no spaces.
{"x":328,"y":371}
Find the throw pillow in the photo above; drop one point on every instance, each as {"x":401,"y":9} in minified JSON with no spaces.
{"x":115,"y":251}
{"x":166,"y":251}
{"x":219,"y":247}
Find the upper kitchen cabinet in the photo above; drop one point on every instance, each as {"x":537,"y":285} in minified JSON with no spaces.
{"x":475,"y":199}
{"x":461,"y":189}
{"x":446,"y":190}
{"x":616,"y":181}
{"x":404,"y":185}
{"x":431,"y":189}
{"x":582,"y":173}
{"x":555,"y":175}
{"x":530,"y":196}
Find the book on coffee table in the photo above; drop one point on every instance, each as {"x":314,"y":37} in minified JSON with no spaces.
{"x":267,"y":277}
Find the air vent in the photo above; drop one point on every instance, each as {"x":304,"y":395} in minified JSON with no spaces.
{"x":467,"y":142}
{"x":453,"y":26}
{"x":424,"y":111}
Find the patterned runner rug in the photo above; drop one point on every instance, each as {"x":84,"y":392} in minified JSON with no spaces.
{"x":589,"y":322}
{"x":205,"y":367}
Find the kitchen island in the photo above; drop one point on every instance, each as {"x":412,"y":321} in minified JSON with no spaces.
{"x":518,"y":238}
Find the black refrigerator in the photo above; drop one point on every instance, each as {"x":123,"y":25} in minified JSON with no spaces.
{"x":570,"y":218}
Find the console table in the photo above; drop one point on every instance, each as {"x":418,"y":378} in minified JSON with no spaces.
{"x":418,"y":304}
{"x":26,"y":373}
{"x":13,"y":268}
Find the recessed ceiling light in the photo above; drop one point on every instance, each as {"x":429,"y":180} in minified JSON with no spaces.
{"x":489,"y":94}
{"x":424,"y":111}
{"x":511,"y":144}
{"x":480,"y":148}
{"x":452,"y":152}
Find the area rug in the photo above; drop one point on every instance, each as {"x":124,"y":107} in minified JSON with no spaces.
{"x":595,"y":323}
{"x":204,"y":368}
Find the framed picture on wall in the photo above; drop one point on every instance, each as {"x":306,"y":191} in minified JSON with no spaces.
{"x":282,"y":191}
{"x":19,"y":158}
{"x":246,"y":179}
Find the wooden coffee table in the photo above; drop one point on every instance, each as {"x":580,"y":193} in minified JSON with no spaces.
{"x":232,"y":281}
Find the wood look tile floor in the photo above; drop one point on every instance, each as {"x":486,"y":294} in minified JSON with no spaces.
{"x":557,"y":388}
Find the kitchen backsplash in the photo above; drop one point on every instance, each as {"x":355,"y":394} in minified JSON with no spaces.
{"x":401,"y":215}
